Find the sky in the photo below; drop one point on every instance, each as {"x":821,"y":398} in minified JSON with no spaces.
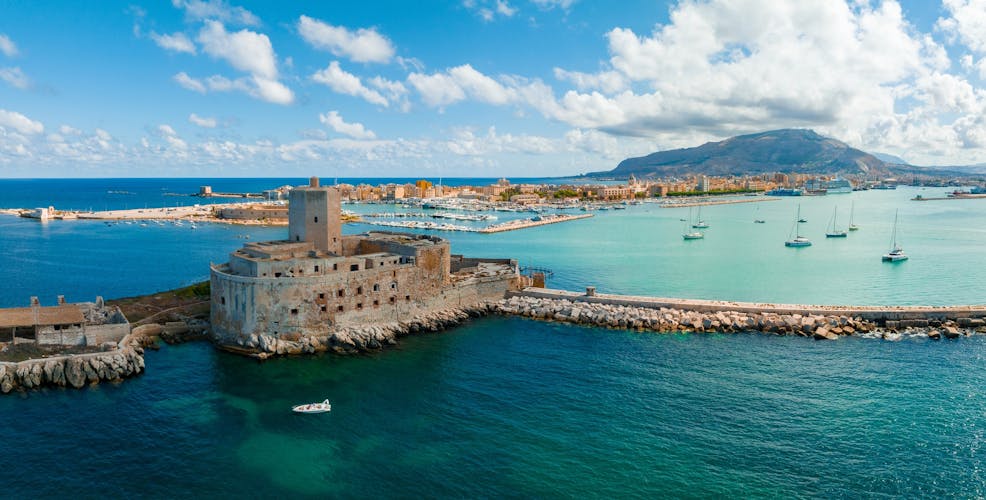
{"x":474,"y":88}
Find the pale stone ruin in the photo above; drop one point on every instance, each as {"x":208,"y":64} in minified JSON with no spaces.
{"x":319,"y":289}
{"x":79,"y":324}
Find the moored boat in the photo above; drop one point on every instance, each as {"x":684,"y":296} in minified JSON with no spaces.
{"x":798,"y":240}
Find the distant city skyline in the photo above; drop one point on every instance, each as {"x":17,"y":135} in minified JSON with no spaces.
{"x":474,"y":88}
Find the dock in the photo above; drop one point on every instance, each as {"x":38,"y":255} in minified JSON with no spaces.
{"x":698,"y":203}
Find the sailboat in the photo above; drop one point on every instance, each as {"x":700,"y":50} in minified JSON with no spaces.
{"x":852,"y":227}
{"x":693,"y":235}
{"x":755,"y":219}
{"x":798,"y":240}
{"x":896,"y":253}
{"x":832,"y":232}
{"x":699,"y":224}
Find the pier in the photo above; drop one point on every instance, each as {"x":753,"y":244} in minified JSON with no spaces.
{"x":698,"y":203}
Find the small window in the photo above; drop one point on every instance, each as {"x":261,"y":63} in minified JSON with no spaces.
{"x":335,"y":267}
{"x":407,"y":298}
{"x":381,"y":263}
{"x":294,"y":311}
{"x":277,"y":275}
{"x":222,"y":300}
{"x":359,"y":290}
{"x":297,"y":238}
{"x":393,"y":299}
{"x":323,"y":308}
{"x":359,"y":306}
{"x":354,"y":267}
{"x":395,"y":274}
{"x":316,"y":218}
{"x":339,"y":309}
{"x":393,"y":285}
{"x":376,"y":303}
{"x":321,"y":295}
{"x":376,"y":287}
{"x":316,"y":269}
{"x":342,"y":293}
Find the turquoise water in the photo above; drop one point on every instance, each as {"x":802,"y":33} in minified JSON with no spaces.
{"x":511,"y":407}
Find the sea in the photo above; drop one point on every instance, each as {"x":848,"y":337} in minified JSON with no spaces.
{"x":510,"y":407}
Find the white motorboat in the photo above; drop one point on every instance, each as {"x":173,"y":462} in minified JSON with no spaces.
{"x":322,"y":407}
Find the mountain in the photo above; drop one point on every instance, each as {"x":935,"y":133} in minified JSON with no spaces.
{"x":786,"y":150}
{"x":889,"y":158}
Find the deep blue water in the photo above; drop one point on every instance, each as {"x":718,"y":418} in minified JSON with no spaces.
{"x":512,"y":407}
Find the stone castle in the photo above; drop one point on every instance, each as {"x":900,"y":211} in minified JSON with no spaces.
{"x":318,"y":280}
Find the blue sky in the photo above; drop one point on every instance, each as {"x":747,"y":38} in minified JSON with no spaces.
{"x":474,"y":87}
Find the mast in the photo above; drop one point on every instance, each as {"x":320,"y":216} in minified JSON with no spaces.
{"x":893,"y":234}
{"x":797,"y":223}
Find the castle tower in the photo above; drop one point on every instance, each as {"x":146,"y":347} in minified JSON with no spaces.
{"x":315,"y":215}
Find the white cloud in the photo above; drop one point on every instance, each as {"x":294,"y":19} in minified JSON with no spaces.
{"x":608,"y":82}
{"x":347,"y":83}
{"x":246,"y":51}
{"x":354,"y":130}
{"x":7,"y":46}
{"x":177,"y":42}
{"x":363,"y":45}
{"x":458,"y":83}
{"x":198,"y":10}
{"x":189,"y":83}
{"x":488,"y":10}
{"x":966,"y":23}
{"x":551,"y":4}
{"x":465,"y":142}
{"x":15,"y":77}
{"x":203,"y":122}
{"x":17,"y":122}
{"x":504,"y":9}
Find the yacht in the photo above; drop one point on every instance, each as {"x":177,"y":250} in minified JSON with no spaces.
{"x":798,"y":240}
{"x":692,"y":235}
{"x":852,"y":226}
{"x":700,"y":224}
{"x":896,"y":253}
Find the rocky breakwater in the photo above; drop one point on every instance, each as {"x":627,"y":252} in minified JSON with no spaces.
{"x":357,"y":338}
{"x":820,"y":326}
{"x":116,"y":362}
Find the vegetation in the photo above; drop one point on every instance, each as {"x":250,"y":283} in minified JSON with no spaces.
{"x":189,"y":301}
{"x":505,"y":196}
{"x":566,"y":193}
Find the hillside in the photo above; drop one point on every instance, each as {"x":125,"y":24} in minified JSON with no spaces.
{"x":787,"y":150}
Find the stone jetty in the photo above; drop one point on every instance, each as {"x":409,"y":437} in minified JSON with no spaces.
{"x":115,"y":363}
{"x":820,"y":326}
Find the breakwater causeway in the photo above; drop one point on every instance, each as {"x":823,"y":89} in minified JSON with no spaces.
{"x":120,"y":361}
{"x":692,"y":315}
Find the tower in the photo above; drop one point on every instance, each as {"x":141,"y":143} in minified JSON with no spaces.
{"x":314,"y":214}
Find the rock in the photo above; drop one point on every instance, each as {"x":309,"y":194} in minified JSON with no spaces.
{"x":951,"y":332}
{"x":824,"y":333}
{"x":934,"y":335}
{"x":74,"y":372}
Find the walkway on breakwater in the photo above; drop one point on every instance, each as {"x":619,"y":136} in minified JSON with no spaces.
{"x":906,"y":314}
{"x":698,"y":203}
{"x":526,"y":223}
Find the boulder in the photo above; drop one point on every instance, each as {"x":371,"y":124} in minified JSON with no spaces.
{"x":934,"y":335}
{"x":951,"y":332}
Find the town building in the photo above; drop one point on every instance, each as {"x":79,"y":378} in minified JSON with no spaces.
{"x":78,"y":324}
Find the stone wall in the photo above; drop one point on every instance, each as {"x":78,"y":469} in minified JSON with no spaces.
{"x":126,"y":360}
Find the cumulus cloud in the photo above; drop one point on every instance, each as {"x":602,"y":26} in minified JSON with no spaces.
{"x":246,"y":51}
{"x":7,"y":46}
{"x":177,"y":42}
{"x":347,"y":83}
{"x":458,"y":83}
{"x":203,"y":122}
{"x":14,"y":121}
{"x":198,"y":10}
{"x":362,"y":45}
{"x":488,"y":10}
{"x":354,"y":130}
{"x":15,"y":77}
